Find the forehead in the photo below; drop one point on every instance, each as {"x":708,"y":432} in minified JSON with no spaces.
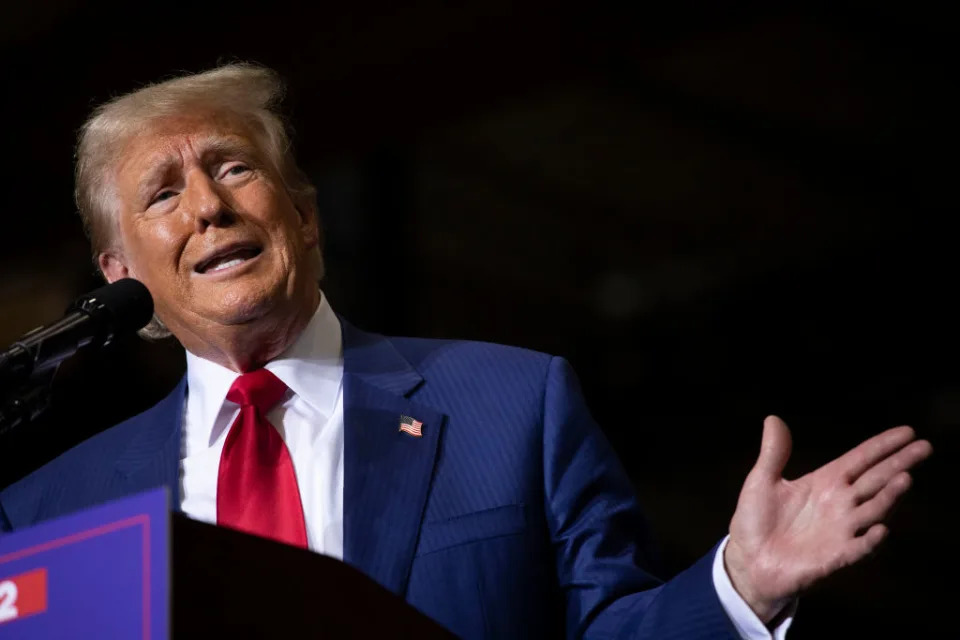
{"x":163,"y":141}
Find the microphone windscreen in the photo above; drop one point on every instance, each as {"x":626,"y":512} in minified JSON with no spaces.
{"x":126,"y":303}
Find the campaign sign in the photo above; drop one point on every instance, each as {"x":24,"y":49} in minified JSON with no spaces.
{"x":100,"y":573}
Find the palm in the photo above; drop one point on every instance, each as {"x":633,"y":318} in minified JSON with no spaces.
{"x":787,"y":534}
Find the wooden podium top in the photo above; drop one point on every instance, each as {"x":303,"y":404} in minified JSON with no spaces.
{"x":229,"y":584}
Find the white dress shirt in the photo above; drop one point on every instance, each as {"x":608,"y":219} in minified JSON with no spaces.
{"x":744,"y":619}
{"x":310,"y":421}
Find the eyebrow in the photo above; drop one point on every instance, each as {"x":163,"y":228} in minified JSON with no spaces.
{"x":209,"y":148}
{"x":218,"y":146}
{"x":154,"y":176}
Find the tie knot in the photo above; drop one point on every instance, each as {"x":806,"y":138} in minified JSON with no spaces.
{"x":259,"y":388}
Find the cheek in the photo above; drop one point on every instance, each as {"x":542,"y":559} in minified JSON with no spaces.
{"x":153,"y":246}
{"x":274,"y":207}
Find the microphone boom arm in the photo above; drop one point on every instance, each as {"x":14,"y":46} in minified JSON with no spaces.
{"x":28,"y":366}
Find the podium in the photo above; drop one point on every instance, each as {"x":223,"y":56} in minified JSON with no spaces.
{"x":131,"y":569}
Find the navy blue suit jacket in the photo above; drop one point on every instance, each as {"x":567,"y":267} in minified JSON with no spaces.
{"x":509,"y":518}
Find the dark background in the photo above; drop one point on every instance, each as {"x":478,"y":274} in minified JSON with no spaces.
{"x":714,"y":214}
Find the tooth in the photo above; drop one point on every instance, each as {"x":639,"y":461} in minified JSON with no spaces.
{"x":227,"y":264}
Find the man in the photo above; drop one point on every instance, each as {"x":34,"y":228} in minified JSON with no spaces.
{"x":468,"y":478}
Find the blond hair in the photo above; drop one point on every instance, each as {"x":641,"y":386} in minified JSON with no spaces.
{"x":249,"y":91}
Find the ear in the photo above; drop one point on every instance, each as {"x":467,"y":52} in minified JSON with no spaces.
{"x":112,"y":267}
{"x":309,"y":221}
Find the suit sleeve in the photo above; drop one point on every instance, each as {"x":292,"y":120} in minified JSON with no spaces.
{"x":601,"y":540}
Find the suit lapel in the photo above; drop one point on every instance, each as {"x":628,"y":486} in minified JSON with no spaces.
{"x":387,"y":472}
{"x":152,"y":458}
{"x":146,"y":460}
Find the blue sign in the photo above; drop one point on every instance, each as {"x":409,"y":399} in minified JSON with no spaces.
{"x":100,"y":573}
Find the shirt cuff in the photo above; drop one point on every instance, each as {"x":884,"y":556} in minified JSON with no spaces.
{"x":748,"y":625}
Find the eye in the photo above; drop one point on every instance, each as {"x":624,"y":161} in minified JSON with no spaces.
{"x":233,"y":170}
{"x":166,"y":194}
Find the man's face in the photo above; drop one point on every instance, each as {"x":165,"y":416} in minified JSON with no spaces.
{"x":207,"y":225}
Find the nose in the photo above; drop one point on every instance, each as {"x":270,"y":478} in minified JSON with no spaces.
{"x":204,"y":202}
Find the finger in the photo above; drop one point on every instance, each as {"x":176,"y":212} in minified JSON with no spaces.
{"x":865,"y":544}
{"x":877,"y":477}
{"x":774,"y":448}
{"x":868,"y":453}
{"x":877,"y":508}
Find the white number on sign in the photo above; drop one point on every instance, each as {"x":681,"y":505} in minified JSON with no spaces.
{"x":8,"y":601}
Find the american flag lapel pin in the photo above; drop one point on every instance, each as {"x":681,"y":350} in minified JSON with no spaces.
{"x":411,"y":426}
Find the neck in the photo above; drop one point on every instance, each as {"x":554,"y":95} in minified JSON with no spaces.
{"x":251,"y":345}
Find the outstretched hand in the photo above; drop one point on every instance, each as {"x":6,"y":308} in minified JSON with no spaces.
{"x":786,"y":535}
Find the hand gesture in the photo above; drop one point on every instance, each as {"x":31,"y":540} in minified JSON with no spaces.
{"x":786,"y":535}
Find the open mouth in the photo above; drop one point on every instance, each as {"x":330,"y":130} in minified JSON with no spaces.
{"x":227,"y":258}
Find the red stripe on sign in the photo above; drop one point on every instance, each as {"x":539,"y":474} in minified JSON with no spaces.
{"x":23,"y":595}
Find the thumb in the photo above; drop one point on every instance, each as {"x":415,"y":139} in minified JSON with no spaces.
{"x":775,"y":447}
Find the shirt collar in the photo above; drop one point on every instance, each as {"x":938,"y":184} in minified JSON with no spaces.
{"x":312,"y":367}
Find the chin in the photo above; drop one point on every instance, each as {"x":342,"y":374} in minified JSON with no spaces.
{"x":241,"y":305}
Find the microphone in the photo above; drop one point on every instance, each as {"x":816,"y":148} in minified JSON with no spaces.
{"x":92,"y":321}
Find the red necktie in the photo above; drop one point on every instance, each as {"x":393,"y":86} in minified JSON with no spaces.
{"x":256,"y":486}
